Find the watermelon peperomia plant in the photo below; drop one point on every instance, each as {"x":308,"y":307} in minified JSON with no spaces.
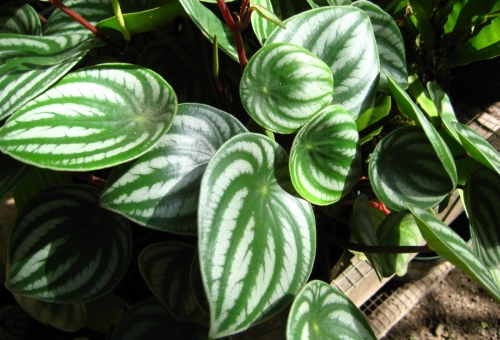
{"x":142,"y":161}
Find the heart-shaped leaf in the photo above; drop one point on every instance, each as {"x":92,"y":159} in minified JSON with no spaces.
{"x":343,"y":38}
{"x":19,"y":18}
{"x":64,"y":248}
{"x":93,"y":118}
{"x":482,"y":199}
{"x":33,"y":63}
{"x":166,"y":267}
{"x":248,"y":225}
{"x":321,"y":312}
{"x":284,"y":85}
{"x":404,"y":168}
{"x":448,"y":244}
{"x":325,"y":157}
{"x":160,"y":189}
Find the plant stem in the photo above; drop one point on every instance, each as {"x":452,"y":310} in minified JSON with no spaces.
{"x":89,"y":178}
{"x":43,"y":21}
{"x":377,"y":249}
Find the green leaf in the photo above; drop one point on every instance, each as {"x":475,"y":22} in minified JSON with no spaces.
{"x":444,"y":108}
{"x":260,"y":25}
{"x":485,"y":45}
{"x":11,"y":173}
{"x":143,"y":21}
{"x":325,"y":157}
{"x":422,"y":22}
{"x":417,"y":91}
{"x":466,"y":14}
{"x":479,"y":148}
{"x":166,"y":268}
{"x":32,"y":64}
{"x":19,"y":18}
{"x":378,"y":110}
{"x":160,"y":189}
{"x":249,"y":226}
{"x":397,"y":229}
{"x":93,"y":118}
{"x":268,"y":15}
{"x":448,"y":244}
{"x":284,"y":85}
{"x":404,"y":168}
{"x":389,"y":43}
{"x":63,"y":248}
{"x":343,"y":38}
{"x":15,"y":323}
{"x":209,"y":24}
{"x":321,"y":312}
{"x":408,"y":107}
{"x":150,"y":320}
{"x":482,"y":199}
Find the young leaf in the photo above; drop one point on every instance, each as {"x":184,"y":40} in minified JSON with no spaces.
{"x":284,"y":85}
{"x":268,"y":15}
{"x":321,"y":312}
{"x":93,"y":118}
{"x":325,"y":157}
{"x":63,"y":248}
{"x":256,"y":241}
{"x":448,"y":244}
{"x":404,"y":168}
{"x":343,"y":38}
{"x":482,"y":199}
{"x":260,"y":25}
{"x":19,"y":18}
{"x":160,"y":189}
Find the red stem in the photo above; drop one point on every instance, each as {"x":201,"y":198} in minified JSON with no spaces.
{"x":243,"y":9}
{"x":43,"y":21}
{"x":89,"y":178}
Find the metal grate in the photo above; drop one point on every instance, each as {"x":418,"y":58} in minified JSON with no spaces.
{"x":486,"y":123}
{"x":350,"y":278}
{"x":378,"y":299}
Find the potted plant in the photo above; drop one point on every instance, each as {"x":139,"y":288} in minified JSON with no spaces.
{"x":210,"y":175}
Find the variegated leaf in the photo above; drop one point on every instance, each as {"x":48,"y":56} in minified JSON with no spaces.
{"x":261,"y":26}
{"x":249,"y":226}
{"x":284,"y":85}
{"x":404,"y":168}
{"x":321,"y":312}
{"x":19,"y":18}
{"x":33,"y":63}
{"x":448,"y":244}
{"x":325,"y":157}
{"x":479,"y":148}
{"x":93,"y":118}
{"x":64,"y":248}
{"x":482,"y":199}
{"x":11,"y":173}
{"x":160,"y":189}
{"x":166,"y":267}
{"x":389,"y":43}
{"x":343,"y":38}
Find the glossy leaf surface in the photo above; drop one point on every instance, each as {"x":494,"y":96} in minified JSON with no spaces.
{"x":93,"y":118}
{"x":448,"y":244}
{"x":165,"y":267}
{"x":260,"y":25}
{"x":404,"y":168}
{"x":249,"y":225}
{"x":343,"y":38}
{"x":325,"y":157}
{"x":20,"y":19}
{"x":378,"y":110}
{"x":284,"y":85}
{"x":160,"y":189}
{"x":444,"y":108}
{"x":482,"y":199}
{"x":63,"y":248}
{"x":321,"y":312}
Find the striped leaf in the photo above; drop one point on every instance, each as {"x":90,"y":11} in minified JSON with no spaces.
{"x":256,"y":241}
{"x":150,"y":320}
{"x":322,"y":312}
{"x":63,"y":248}
{"x":166,"y":268}
{"x":209,"y":24}
{"x":197,"y":285}
{"x":284,"y":85}
{"x":389,"y":43}
{"x":404,"y":168}
{"x":448,"y":244}
{"x":325,"y":157}
{"x":160,"y":189}
{"x":397,"y":229}
{"x":93,"y":118}
{"x":14,"y":323}
{"x":34,"y":63}
{"x":19,"y":18}
{"x":477,"y":147}
{"x":11,"y":173}
{"x":482,"y":199}
{"x":261,"y":26}
{"x":407,"y":106}
{"x":343,"y":38}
